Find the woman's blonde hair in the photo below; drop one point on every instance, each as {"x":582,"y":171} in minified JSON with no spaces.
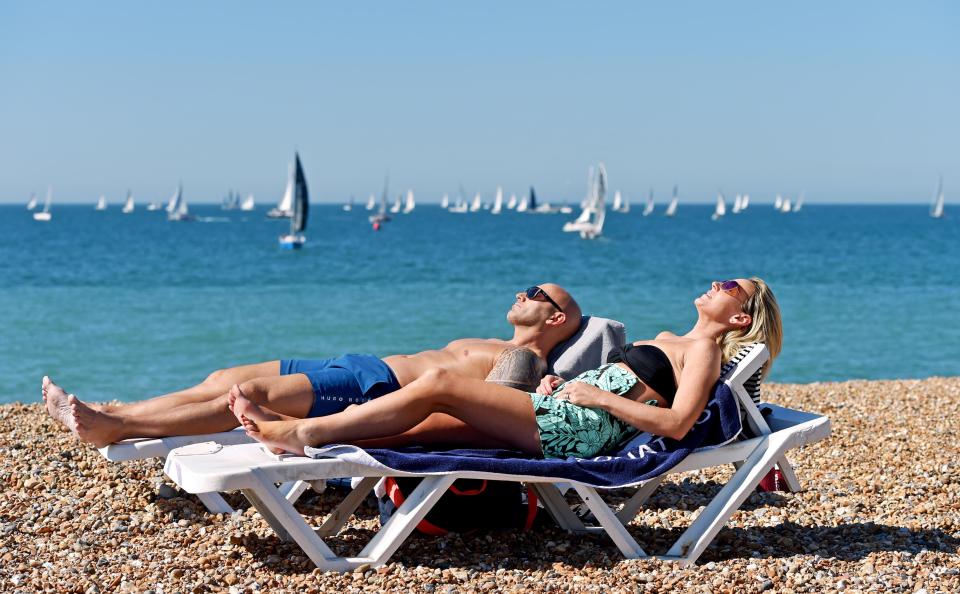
{"x":765,"y":327}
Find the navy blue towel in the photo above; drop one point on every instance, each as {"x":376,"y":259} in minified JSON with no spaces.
{"x":642,"y":458}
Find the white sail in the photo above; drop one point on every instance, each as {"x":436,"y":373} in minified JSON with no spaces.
{"x":497,"y":202}
{"x":512,"y":202}
{"x":736,"y":204}
{"x":778,"y":202}
{"x":476,"y":204}
{"x":617,"y":201}
{"x":248,"y":203}
{"x":101,"y":203}
{"x":445,"y":201}
{"x":410,"y":203}
{"x":174,"y":203}
{"x":177,"y":209}
{"x":785,"y":205}
{"x":721,"y":208}
{"x":459,"y":206}
{"x":32,"y":203}
{"x":524,"y":203}
{"x":745,"y":202}
{"x":128,"y":205}
{"x":284,"y":208}
{"x":371,"y":202}
{"x":799,"y":203}
{"x":936,"y":209}
{"x":589,"y":224}
{"x":672,"y":207}
{"x":397,"y":204}
{"x":45,"y":214}
{"x":648,"y":207}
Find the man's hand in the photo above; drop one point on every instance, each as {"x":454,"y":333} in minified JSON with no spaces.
{"x":582,"y":394}
{"x":548,"y":384}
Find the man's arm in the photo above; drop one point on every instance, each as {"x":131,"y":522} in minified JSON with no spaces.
{"x":518,"y":367}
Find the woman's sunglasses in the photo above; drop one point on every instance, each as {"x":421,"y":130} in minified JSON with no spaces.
{"x":534,"y":292}
{"x":732,"y":287}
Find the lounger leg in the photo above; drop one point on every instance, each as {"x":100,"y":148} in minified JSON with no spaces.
{"x":339,"y":516}
{"x":557,"y":507}
{"x":215,"y":503}
{"x":628,"y":545}
{"x":629,"y":509}
{"x":704,"y":528}
{"x":406,"y":518}
{"x":789,"y":475}
{"x":293,"y":491}
{"x":287,"y":521}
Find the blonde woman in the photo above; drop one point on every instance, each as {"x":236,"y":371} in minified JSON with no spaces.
{"x":659,"y":386}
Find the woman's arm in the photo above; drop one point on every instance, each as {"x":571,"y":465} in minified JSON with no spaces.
{"x":700,"y":372}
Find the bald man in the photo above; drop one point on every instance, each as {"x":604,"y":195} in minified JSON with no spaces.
{"x":542,"y":316}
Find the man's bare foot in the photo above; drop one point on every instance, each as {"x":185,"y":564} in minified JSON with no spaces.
{"x":91,"y":425}
{"x":55,"y":399}
{"x":279,"y":436}
{"x":241,"y":405}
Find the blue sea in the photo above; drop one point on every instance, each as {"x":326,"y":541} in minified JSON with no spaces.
{"x":127,"y":306}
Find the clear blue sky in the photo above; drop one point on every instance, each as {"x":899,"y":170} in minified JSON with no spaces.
{"x":849,"y":101}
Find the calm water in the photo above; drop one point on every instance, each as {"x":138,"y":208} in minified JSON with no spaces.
{"x":124,"y":306}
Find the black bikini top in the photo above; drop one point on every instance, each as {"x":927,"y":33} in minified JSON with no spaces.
{"x":650,"y":365}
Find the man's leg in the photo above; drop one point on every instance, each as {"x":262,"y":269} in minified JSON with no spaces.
{"x":286,"y":394}
{"x":214,"y":386}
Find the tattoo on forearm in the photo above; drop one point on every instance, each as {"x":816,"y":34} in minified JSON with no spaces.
{"x":519,"y":368}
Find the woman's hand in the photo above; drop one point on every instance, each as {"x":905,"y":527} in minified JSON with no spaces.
{"x":548,"y":384}
{"x":582,"y":394}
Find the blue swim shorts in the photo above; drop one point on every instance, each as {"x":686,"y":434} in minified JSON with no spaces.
{"x":342,"y":381}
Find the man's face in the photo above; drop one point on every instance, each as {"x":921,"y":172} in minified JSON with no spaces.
{"x":531,"y":308}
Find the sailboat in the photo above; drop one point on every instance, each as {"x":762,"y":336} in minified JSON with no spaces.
{"x":248,"y":203}
{"x":397,"y":204}
{"x":799,"y":204}
{"x":785,"y":205}
{"x":459,"y":206}
{"x":349,"y":205}
{"x":409,"y":204}
{"x":721,"y":208}
{"x":778,"y":202}
{"x":177,"y":209}
{"x":648,"y":207}
{"x":745,"y":202}
{"x":154,"y":206}
{"x":524,"y":203}
{"x":672,"y":207}
{"x":284,"y":208}
{"x":230,"y":201}
{"x":936,"y":209}
{"x":476,"y":203}
{"x":624,"y":203}
{"x":617,"y":201}
{"x":512,"y":202}
{"x":32,"y":203}
{"x":128,"y":204}
{"x":445,"y":201}
{"x":590,"y":222}
{"x":45,"y":214}
{"x":101,"y":203}
{"x":381,"y":217}
{"x":497,"y":201}
{"x":371,"y":202}
{"x":301,"y":208}
{"x":737,"y":201}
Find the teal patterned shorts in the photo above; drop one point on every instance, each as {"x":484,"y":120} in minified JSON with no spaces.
{"x":570,"y":430}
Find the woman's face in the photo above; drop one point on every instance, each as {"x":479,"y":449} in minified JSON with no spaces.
{"x":724,"y":300}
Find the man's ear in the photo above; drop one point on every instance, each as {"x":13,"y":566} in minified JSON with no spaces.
{"x":741,"y":320}
{"x":557,"y":319}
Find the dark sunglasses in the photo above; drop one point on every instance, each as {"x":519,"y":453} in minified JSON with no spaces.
{"x":534,"y":292}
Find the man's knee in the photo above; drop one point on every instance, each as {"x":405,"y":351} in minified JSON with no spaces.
{"x":217,"y":377}
{"x":255,"y":390}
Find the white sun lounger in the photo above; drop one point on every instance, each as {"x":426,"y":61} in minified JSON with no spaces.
{"x":249,"y":468}
{"x":160,"y":447}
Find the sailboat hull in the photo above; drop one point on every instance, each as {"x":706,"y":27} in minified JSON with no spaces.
{"x":292,"y":242}
{"x":42,"y":216}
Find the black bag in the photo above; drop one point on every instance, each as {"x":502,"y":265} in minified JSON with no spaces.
{"x":468,"y":505}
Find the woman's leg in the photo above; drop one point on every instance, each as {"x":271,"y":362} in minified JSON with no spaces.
{"x":504,"y":414}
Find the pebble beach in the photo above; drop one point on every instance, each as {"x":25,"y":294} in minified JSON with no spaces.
{"x":880,"y":512}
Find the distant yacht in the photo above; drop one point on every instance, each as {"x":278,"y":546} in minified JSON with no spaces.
{"x":381,"y":217}
{"x":799,"y":204}
{"x":248,"y":203}
{"x":497,"y":201}
{"x":128,"y":204}
{"x":284,"y":208}
{"x":672,"y":207}
{"x":476,"y":204}
{"x":445,"y":201}
{"x":745,"y":202}
{"x":409,"y":204}
{"x":231,"y":201}
{"x":590,"y":222}
{"x":720,"y":209}
{"x":371,"y":202}
{"x":301,"y":208}
{"x":524,"y":203}
{"x":154,"y":206}
{"x":778,"y":202}
{"x":177,"y":209}
{"x":397,"y":204}
{"x":101,"y":203}
{"x":785,"y":205}
{"x":617,"y":201}
{"x":936,"y":209}
{"x":349,"y":205}
{"x":45,"y":214}
{"x":737,"y":204}
{"x":512,"y":202}
{"x":32,"y":203}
